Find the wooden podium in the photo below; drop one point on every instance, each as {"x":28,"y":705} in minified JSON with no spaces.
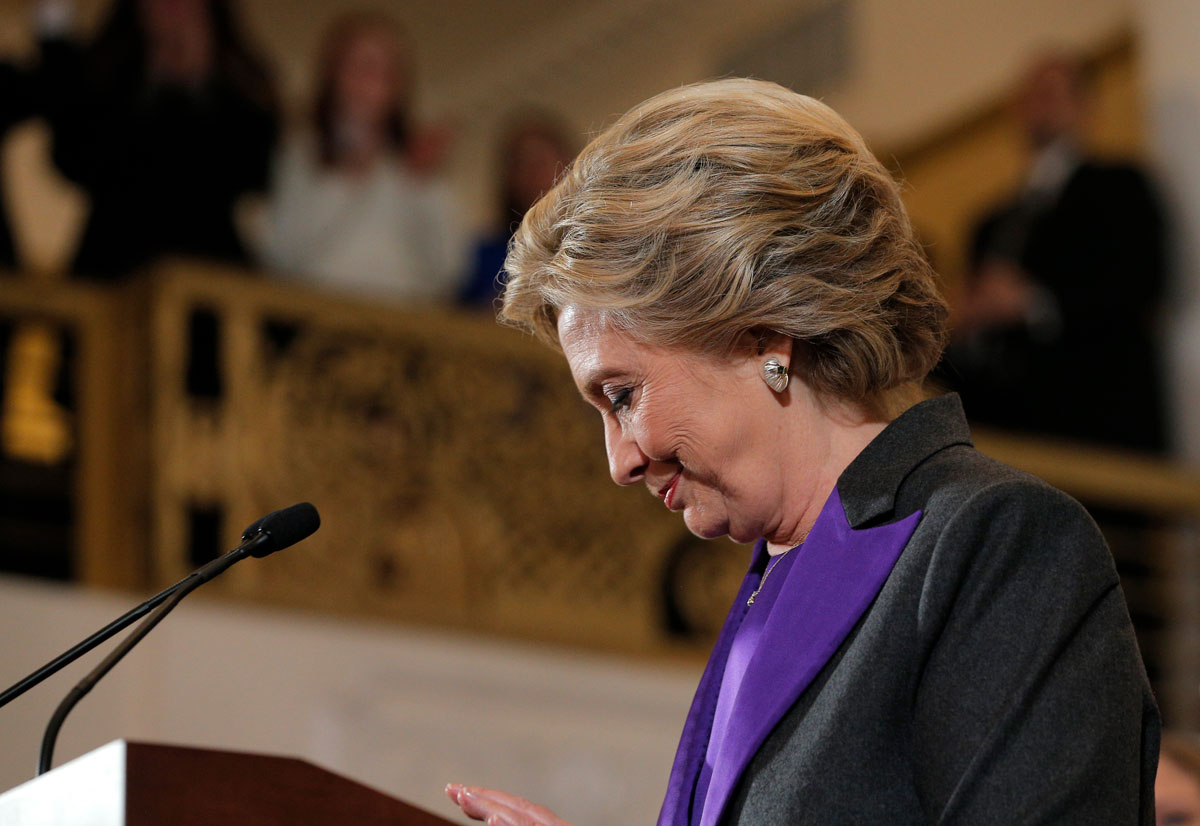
{"x":139,"y":784}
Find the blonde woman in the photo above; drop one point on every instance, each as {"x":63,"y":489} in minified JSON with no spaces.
{"x":924,"y":635}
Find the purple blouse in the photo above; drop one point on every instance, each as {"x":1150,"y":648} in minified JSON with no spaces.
{"x":745,"y":644}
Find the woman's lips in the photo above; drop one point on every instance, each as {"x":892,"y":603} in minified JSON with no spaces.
{"x":668,"y":492}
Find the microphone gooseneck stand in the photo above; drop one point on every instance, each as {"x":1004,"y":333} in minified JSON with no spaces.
{"x":273,"y":532}
{"x":75,"y":652}
{"x":185,"y":587}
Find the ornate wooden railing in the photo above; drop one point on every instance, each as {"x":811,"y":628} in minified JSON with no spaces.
{"x":460,"y":478}
{"x":461,"y":481}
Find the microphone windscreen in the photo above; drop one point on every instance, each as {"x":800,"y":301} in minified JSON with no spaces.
{"x":284,"y":528}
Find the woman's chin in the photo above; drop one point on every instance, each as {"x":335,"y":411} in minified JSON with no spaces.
{"x":703,"y":528}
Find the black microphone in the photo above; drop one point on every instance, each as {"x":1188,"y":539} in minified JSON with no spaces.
{"x":283,"y":528}
{"x":273,"y":532}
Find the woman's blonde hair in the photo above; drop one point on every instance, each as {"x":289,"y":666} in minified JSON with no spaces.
{"x":729,"y":208}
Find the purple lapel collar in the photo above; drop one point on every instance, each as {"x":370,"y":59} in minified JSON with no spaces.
{"x":837,"y":574}
{"x":693,"y":742}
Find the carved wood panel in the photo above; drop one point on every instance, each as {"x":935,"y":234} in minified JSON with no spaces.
{"x":460,"y":478}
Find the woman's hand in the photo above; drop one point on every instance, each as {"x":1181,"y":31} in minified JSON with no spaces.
{"x":1002,"y":295}
{"x":499,"y":808}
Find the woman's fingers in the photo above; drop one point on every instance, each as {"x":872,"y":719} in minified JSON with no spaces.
{"x":500,"y":808}
{"x":479,"y":806}
{"x":482,"y":807}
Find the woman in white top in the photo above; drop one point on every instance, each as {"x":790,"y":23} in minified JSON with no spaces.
{"x":352,"y":206}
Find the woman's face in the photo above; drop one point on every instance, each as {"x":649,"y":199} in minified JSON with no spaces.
{"x":1176,"y":795}
{"x":367,"y":77}
{"x":706,"y":436}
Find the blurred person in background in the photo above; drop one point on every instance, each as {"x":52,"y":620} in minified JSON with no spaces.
{"x":356,"y":203}
{"x":1056,"y":331}
{"x":164,"y":119}
{"x":536,"y":148}
{"x":1177,"y":787}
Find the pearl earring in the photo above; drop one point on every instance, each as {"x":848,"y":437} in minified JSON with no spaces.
{"x":775,"y":375}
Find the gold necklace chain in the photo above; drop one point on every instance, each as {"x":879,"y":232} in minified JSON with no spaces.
{"x":770,"y":568}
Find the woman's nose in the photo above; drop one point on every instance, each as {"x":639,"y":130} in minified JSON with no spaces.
{"x":626,"y":461}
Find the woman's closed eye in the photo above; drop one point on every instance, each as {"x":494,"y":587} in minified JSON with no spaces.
{"x":618,"y":398}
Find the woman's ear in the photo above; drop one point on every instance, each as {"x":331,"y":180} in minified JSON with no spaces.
{"x":770,"y":344}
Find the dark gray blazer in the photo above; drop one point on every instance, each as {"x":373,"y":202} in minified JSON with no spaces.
{"x":995,"y":679}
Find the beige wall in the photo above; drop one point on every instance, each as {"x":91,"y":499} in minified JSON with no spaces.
{"x":1172,"y":88}
{"x":924,"y":64}
{"x":914,"y":67}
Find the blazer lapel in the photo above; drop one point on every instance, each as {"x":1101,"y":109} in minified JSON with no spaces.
{"x":693,"y":742}
{"x":830,"y":585}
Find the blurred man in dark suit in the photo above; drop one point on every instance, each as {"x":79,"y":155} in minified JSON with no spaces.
{"x":1056,"y":330}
